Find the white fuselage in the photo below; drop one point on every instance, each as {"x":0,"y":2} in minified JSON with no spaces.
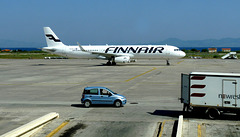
{"x":133,"y":51}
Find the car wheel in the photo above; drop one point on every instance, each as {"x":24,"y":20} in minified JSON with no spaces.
{"x":87,"y":103}
{"x":117,"y":103}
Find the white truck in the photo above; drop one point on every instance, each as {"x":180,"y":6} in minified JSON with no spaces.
{"x":213,"y":93}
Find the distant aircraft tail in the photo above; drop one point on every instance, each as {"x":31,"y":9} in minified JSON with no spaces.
{"x":51,"y":38}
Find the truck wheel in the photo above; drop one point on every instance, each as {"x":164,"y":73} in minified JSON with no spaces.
{"x":190,"y":109}
{"x":117,"y":103}
{"x":87,"y":103}
{"x":185,"y":110}
{"x":185,"y":107}
{"x":213,"y":113}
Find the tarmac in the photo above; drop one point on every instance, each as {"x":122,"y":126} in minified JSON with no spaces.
{"x":30,"y":89}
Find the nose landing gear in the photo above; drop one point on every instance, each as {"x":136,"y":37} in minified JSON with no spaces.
{"x":168,"y":63}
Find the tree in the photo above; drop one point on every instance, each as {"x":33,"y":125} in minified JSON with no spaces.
{"x":194,"y":50}
{"x":204,"y":50}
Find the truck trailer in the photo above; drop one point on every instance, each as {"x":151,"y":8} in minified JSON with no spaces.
{"x":210,"y":92}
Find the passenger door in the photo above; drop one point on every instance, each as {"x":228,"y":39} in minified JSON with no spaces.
{"x":94,"y":96}
{"x":105,"y":97}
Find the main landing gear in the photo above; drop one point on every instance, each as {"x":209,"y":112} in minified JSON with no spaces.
{"x":111,"y":62}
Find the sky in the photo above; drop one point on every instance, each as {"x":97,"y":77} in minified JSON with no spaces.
{"x":119,"y":22}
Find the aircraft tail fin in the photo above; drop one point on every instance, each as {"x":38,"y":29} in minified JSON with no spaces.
{"x":51,"y":38}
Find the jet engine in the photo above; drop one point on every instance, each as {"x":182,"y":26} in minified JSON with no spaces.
{"x":122,"y":59}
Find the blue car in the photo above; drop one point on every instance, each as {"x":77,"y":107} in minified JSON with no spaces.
{"x":102,"y":95}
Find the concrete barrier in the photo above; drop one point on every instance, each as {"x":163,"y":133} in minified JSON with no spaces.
{"x":180,"y":126}
{"x":31,"y":125}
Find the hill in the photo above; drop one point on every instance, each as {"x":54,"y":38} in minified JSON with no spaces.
{"x":225,"y":42}
{"x":21,"y":44}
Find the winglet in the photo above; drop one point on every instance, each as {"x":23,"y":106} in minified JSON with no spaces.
{"x":82,"y":49}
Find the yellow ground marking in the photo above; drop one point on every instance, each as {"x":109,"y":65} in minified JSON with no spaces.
{"x":180,"y":61}
{"x":102,"y":82}
{"x":9,"y":84}
{"x":140,"y":75}
{"x":162,"y":126}
{"x":160,"y":134}
{"x":57,"y":129}
{"x":199,"y":130}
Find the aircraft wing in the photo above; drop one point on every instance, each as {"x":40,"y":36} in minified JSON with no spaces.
{"x":106,"y":55}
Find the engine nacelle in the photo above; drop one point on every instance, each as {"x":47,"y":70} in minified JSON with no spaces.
{"x":122,"y":59}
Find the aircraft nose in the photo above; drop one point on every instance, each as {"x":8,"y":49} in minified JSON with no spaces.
{"x":182,"y":54}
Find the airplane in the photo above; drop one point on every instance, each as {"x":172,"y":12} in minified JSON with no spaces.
{"x":113,"y":53}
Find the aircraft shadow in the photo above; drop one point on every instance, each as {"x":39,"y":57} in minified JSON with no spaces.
{"x":100,"y":65}
{"x":195,"y":115}
{"x":133,"y":64}
{"x":72,"y":65}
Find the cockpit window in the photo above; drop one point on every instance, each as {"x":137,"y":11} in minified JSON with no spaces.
{"x":176,"y":50}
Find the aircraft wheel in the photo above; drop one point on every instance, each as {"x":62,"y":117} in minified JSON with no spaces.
{"x":168,"y":63}
{"x":109,"y":63}
{"x":114,"y":63}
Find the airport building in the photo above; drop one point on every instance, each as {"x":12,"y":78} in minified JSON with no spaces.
{"x":212,"y":50}
{"x":226,"y":49}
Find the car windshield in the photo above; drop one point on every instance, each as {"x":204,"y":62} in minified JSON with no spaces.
{"x":111,"y":91}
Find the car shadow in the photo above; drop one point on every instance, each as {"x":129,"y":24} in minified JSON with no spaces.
{"x":78,"y":105}
{"x":93,"y":106}
{"x":194,"y":115}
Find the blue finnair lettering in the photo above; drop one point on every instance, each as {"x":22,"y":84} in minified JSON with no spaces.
{"x":134,"y":49}
{"x":229,"y":96}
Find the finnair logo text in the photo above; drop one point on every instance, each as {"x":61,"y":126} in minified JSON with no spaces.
{"x":134,"y":49}
{"x":51,"y":37}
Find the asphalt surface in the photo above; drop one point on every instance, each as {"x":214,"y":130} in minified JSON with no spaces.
{"x":30,"y":89}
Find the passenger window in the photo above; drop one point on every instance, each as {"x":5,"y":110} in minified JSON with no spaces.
{"x":104,"y":92}
{"x":92,"y":91}
{"x":86,"y":91}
